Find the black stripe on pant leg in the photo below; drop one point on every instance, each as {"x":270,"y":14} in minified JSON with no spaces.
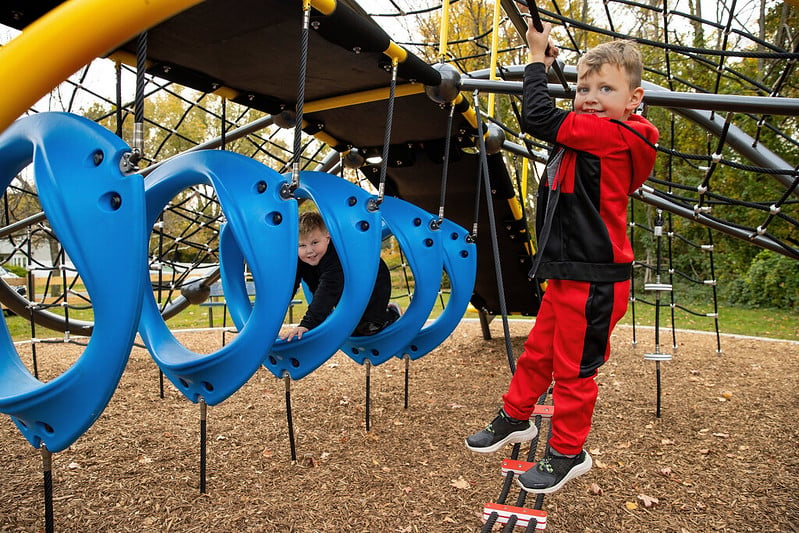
{"x":598,"y":312}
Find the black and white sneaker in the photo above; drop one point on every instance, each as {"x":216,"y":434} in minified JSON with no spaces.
{"x":553,"y":471}
{"x":501,"y":431}
{"x":395,"y":310}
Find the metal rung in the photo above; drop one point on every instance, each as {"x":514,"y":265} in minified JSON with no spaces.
{"x":516,"y":466}
{"x":522,"y":514}
{"x":657,"y":356}
{"x":657,"y":286}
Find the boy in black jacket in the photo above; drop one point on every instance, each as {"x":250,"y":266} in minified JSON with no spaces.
{"x":601,"y":153}
{"x":320,"y":268}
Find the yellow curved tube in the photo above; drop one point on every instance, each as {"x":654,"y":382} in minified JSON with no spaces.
{"x":326,"y":7}
{"x":59,"y":43}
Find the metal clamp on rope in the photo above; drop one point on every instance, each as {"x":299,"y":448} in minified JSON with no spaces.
{"x":129,"y":163}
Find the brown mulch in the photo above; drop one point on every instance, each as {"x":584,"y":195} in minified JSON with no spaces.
{"x":723,"y":456}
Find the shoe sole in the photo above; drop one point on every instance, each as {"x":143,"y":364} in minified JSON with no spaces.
{"x":576,"y":471}
{"x":517,"y":436}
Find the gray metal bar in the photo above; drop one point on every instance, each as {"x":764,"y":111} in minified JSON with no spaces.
{"x":695,"y":107}
{"x":742,"y":143}
{"x":330,"y":163}
{"x":760,"y":240}
{"x":655,"y":94}
{"x":255,"y":125}
{"x":22,"y":224}
{"x":518,"y":149}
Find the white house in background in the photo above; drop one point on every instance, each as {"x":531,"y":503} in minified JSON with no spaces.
{"x":17,"y":255}
{"x":42,"y":264}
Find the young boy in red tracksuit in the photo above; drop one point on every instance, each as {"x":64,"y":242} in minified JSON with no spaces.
{"x":601,"y":153}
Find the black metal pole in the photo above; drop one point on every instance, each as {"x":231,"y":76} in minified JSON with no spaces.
{"x":536,"y":20}
{"x":47,"y":469}
{"x":203,"y":441}
{"x":407,"y":377}
{"x":368,"y":365}
{"x":287,"y":381}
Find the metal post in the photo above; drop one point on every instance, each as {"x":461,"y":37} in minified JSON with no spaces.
{"x":287,"y":381}
{"x":203,"y":441}
{"x":47,"y":469}
{"x":368,"y":365}
{"x":407,"y":377}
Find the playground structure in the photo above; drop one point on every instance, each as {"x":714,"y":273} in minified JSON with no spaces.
{"x":417,"y":144}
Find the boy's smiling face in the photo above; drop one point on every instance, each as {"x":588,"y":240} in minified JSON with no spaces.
{"x":313,"y":246}
{"x":606,"y":92}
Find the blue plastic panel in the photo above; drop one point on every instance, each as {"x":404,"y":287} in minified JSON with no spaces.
{"x":98,"y":215}
{"x":460,"y":264}
{"x":355,"y":228}
{"x":420,"y":240}
{"x":263,"y":226}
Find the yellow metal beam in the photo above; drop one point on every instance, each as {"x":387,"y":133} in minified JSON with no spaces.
{"x":444,"y":31}
{"x":326,"y":7}
{"x":469,"y":114}
{"x":362,"y":97}
{"x":334,"y":102}
{"x":494,"y":52}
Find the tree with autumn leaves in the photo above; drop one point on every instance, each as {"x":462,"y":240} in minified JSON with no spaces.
{"x":740,"y":271}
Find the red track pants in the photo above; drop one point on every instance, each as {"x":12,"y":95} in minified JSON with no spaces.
{"x":568,"y":343}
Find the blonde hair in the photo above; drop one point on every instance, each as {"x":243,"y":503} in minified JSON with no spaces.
{"x":622,"y":53}
{"x":309,"y":221}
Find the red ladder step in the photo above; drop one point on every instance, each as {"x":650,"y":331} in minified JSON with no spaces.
{"x":517,"y":467}
{"x":522,"y":514}
{"x":544,"y":410}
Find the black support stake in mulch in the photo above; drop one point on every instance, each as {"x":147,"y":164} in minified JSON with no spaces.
{"x":658,"y":288}
{"x":203,"y":441}
{"x":368,"y":365}
{"x":47,"y":470}
{"x":659,"y":388}
{"x":287,"y":381}
{"x":407,"y":373}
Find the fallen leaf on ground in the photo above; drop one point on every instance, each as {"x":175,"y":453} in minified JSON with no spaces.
{"x":647,"y":501}
{"x":460,"y":483}
{"x":595,"y":489}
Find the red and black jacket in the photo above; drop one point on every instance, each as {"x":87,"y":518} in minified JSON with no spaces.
{"x":594,"y":165}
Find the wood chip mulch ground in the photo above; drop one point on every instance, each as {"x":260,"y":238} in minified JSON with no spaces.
{"x":723,"y":456}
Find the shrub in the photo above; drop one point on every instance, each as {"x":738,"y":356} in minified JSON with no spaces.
{"x":771,"y":281}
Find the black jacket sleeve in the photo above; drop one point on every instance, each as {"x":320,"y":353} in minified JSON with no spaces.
{"x":540,"y":118}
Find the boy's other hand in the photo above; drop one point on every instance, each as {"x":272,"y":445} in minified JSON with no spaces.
{"x":290,"y":333}
{"x":541,"y":48}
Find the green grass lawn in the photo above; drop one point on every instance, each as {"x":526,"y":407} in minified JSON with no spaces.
{"x":771,"y":323}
